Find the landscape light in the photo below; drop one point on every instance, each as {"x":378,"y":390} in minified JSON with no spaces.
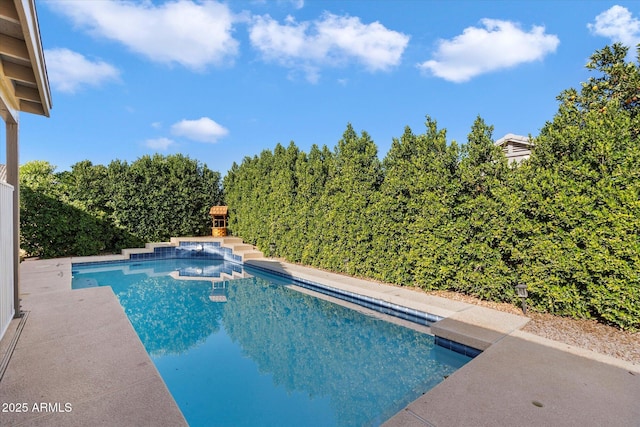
{"x":522,"y":293}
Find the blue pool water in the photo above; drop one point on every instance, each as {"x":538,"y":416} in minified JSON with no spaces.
{"x":239,"y":347}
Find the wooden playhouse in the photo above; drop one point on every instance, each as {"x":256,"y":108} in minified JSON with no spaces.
{"x":219,"y":218}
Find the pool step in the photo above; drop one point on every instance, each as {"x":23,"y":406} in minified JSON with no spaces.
{"x":234,"y":275}
{"x":252,"y":254}
{"x":238,"y":246}
{"x":224,"y":241}
{"x":214,"y":279}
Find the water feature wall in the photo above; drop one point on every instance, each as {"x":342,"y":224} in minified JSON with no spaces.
{"x":191,"y":250}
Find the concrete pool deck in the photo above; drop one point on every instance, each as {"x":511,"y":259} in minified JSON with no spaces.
{"x":78,"y":347}
{"x":79,"y":356}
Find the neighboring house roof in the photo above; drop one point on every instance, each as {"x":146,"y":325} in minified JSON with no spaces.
{"x":24,"y":85}
{"x":3,"y":173}
{"x":516,"y":147}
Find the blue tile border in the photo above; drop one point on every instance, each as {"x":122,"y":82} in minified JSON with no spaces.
{"x":200,"y":250}
{"x":94,"y":263}
{"x":413,"y":315}
{"x":457,"y":347}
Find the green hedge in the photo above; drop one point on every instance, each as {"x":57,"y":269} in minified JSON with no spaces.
{"x":96,"y":209}
{"x":438,"y":215}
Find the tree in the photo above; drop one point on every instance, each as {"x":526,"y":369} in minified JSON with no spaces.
{"x":412,"y":204}
{"x":246,"y":188}
{"x":346,"y":235}
{"x":480,"y":222}
{"x":282,"y":200}
{"x":39,"y":175}
{"x":52,"y":225}
{"x":431,"y":236}
{"x":158,"y":197}
{"x":88,"y":186}
{"x":312,"y":177}
{"x":583,"y":216}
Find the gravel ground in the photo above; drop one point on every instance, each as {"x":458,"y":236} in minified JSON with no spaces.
{"x":587,"y":334}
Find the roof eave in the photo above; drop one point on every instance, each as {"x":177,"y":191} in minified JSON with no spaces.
{"x":29,"y":23}
{"x":510,"y":137}
{"x":24,"y":84}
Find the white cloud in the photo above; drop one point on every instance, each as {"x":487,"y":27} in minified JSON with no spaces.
{"x":203,"y":129}
{"x":69,"y":71}
{"x":618,"y":24}
{"x":496,"y":45}
{"x":191,"y":34}
{"x":331,"y":40}
{"x":297,"y":4}
{"x":161,"y":144}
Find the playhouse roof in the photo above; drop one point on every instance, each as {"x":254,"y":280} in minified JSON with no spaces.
{"x":218,"y":210}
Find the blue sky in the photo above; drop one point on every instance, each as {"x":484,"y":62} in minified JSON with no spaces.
{"x":218,"y":81}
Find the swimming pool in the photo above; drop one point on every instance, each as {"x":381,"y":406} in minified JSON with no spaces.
{"x":240,"y":347}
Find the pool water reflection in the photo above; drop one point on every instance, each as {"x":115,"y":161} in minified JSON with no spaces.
{"x":252,"y":350}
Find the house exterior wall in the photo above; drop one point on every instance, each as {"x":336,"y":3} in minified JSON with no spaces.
{"x":515,"y":147}
{"x":516,"y":152}
{"x":7,"y":310}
